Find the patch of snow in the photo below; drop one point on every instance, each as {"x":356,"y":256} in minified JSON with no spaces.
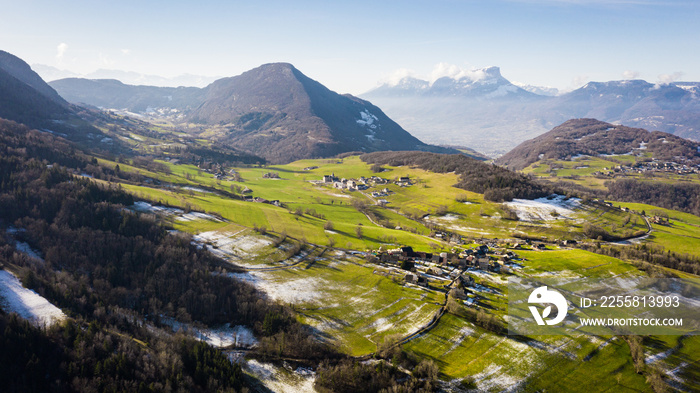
{"x":145,"y":207}
{"x":228,"y":244}
{"x":223,"y":336}
{"x":492,"y":379}
{"x":673,"y":374}
{"x":27,"y":303}
{"x":191,"y":216}
{"x":25,"y":248}
{"x":282,"y":379}
{"x":659,"y":356}
{"x":301,"y":290}
{"x":196,"y":189}
{"x":367,"y":119}
{"x":541,"y":209}
{"x":502,"y":90}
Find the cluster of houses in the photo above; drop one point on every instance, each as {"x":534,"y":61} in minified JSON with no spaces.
{"x":362,"y":183}
{"x":650,"y":167}
{"x":659,"y":220}
{"x":250,"y":198}
{"x":482,"y":257}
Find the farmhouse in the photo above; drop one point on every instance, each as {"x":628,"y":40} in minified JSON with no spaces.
{"x":330,"y":178}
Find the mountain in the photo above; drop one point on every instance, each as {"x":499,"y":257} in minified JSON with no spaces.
{"x":483,"y":110}
{"x":273,"y":111}
{"x":492,"y":115}
{"x":593,"y":137}
{"x":26,"y":98}
{"x":113,"y":94}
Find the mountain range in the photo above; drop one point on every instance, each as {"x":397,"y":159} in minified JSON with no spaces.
{"x":493,"y":115}
{"x":49,"y":73}
{"x":273,"y":111}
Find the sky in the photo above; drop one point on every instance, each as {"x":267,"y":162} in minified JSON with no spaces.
{"x":353,"y":46}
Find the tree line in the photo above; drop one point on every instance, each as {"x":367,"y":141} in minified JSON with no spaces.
{"x":496,"y":183}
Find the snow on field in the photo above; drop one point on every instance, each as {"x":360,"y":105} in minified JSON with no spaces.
{"x":658,"y":356}
{"x":300,"y":290}
{"x":145,"y":207}
{"x":195,"y":189}
{"x":191,"y":216}
{"x":282,"y":379}
{"x":541,"y":209}
{"x":228,"y":244}
{"x":492,"y":378}
{"x":673,"y":374}
{"x":222,"y":336}
{"x":25,"y":302}
{"x":415,"y":320}
{"x":378,"y":326}
{"x":457,"y":339}
{"x":452,"y":221}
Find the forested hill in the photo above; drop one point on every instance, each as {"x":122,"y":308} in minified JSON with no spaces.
{"x":116,"y":274}
{"x":496,"y":183}
{"x":593,"y":137}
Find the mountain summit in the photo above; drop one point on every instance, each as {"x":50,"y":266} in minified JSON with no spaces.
{"x":478,"y":84}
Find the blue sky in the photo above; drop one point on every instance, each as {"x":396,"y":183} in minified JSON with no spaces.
{"x":350,"y":46}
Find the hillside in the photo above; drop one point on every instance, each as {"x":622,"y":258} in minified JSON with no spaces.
{"x":592,"y":137}
{"x":493,"y":115}
{"x":25,"y":97}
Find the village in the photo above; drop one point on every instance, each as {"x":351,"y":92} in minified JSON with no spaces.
{"x":653,"y":166}
{"x":452,"y":271}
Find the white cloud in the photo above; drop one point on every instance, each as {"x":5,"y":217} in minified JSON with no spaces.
{"x":579,"y":81}
{"x":629,"y":74}
{"x":455,"y":72}
{"x":126,"y":52}
{"x":665,"y":79}
{"x":61,"y":51}
{"x":395,"y":77}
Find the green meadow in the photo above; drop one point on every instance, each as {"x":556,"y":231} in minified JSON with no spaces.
{"x":356,"y":305}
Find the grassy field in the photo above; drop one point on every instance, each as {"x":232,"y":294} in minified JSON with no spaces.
{"x":496,"y":363}
{"x":355,"y":305}
{"x":431,"y":200}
